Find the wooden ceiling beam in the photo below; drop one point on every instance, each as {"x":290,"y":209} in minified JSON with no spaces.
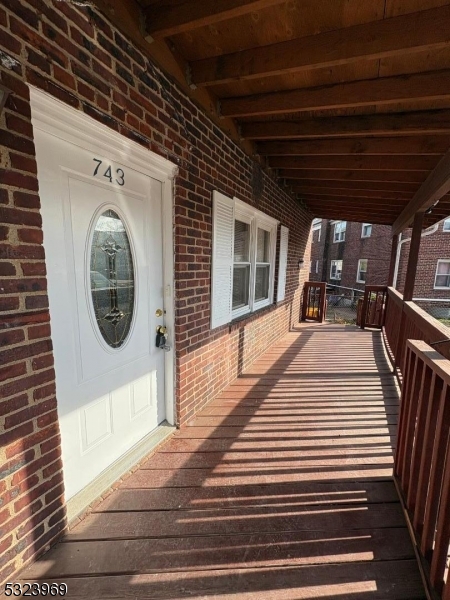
{"x":352,"y":163}
{"x":423,"y":145}
{"x":430,"y":192}
{"x":171,"y":17}
{"x":424,"y":30}
{"x":349,"y":214}
{"x":318,"y":193}
{"x":434,"y":85}
{"x":335,"y":213}
{"x":349,"y":175}
{"x":349,"y":187}
{"x":426,"y":122}
{"x":358,"y":204}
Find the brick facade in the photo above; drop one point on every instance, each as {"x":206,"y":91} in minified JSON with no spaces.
{"x":376,"y":249}
{"x":432,"y":248}
{"x":75,"y":55}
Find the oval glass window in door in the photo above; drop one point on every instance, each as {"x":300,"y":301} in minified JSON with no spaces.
{"x":112,"y":278}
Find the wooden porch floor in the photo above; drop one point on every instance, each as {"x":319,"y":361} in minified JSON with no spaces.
{"x":279,"y":489}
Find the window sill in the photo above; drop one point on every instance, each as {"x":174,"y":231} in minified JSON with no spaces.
{"x":247,"y":318}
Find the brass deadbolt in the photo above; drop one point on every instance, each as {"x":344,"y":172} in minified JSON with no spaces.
{"x":159,"y":312}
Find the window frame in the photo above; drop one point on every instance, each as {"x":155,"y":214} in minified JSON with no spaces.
{"x":362,"y":230}
{"x":333,"y":263}
{"x":316,"y":226}
{"x":358,"y":279}
{"x":257,"y":220}
{"x":341,"y":233}
{"x":440,"y":287}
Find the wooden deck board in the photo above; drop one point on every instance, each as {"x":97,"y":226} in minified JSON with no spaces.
{"x":280,"y":489}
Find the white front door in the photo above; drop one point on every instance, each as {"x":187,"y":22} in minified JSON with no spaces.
{"x":102,"y":226}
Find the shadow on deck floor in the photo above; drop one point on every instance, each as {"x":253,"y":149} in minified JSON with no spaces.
{"x":281,"y":488}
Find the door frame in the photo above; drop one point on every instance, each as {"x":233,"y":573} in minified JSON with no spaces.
{"x":71,"y":125}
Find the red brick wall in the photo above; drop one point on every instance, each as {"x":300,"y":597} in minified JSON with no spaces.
{"x":376,"y":249}
{"x":432,"y":248}
{"x":77,"y":56}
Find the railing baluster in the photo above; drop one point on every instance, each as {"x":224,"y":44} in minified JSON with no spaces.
{"x":411,"y":362}
{"x":410,"y":424}
{"x":434,"y":400}
{"x":440,"y":550}
{"x":437,"y":468}
{"x":426,"y":391}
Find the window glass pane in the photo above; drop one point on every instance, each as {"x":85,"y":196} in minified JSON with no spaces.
{"x":262,"y":246}
{"x":262,"y":283}
{"x":241,"y":275}
{"x":112,"y":279}
{"x":241,"y":241}
{"x":443,"y":268}
{"x":442,"y":281}
{"x":446,"y":225}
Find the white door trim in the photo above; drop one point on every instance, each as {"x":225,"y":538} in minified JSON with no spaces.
{"x":53,"y":116}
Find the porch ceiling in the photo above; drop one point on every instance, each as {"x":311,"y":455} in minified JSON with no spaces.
{"x":349,"y":101}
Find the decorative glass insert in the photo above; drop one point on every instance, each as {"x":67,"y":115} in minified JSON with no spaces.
{"x":112,"y":279}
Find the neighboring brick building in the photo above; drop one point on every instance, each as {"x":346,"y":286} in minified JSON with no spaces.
{"x":432,"y":285}
{"x":350,"y":254}
{"x":153,"y":142}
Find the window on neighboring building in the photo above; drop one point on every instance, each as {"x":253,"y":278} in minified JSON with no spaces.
{"x":336,"y":270}
{"x":317,"y":226}
{"x":339,"y":231}
{"x":446,"y":225}
{"x":317,"y":266}
{"x":366,"y":230}
{"x":442,"y":278}
{"x":362,"y":270}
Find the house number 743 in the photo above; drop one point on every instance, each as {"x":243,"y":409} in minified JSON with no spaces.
{"x":120,"y":180}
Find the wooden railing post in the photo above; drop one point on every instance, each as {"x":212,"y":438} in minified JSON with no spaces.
{"x":413,"y":257}
{"x":422,"y":459}
{"x":393,"y":261}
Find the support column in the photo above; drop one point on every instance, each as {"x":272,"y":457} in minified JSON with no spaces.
{"x":392,"y":264}
{"x":413,"y":257}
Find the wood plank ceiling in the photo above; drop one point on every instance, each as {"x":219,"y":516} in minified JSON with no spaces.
{"x":349,"y":101}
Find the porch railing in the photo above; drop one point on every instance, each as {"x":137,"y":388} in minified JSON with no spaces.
{"x":314,"y":301}
{"x":422,"y":461}
{"x":405,"y":321}
{"x":371,"y":309}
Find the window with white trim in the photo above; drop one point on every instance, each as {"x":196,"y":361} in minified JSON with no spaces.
{"x":336,"y":270}
{"x":362,"y":270}
{"x":243,"y":261}
{"x":317,"y":266}
{"x":366,"y":230}
{"x":316,"y":226}
{"x":446,"y":225}
{"x":339,"y":231}
{"x":442,"y":277}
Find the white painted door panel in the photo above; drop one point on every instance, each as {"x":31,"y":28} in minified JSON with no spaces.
{"x":108,"y":398}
